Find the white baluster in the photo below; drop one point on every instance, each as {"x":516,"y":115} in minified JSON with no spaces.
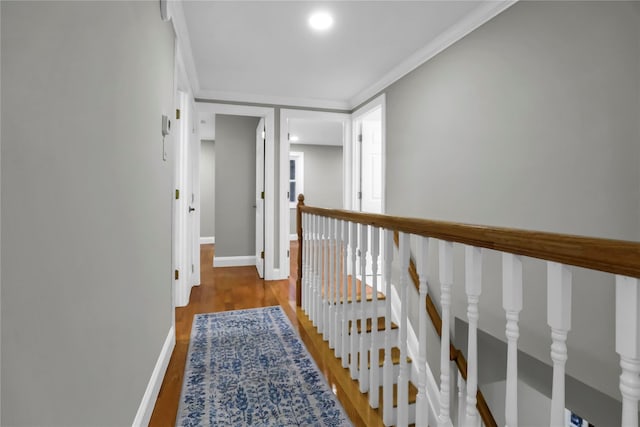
{"x":628,"y":346}
{"x":422,"y":405}
{"x":374,"y":372}
{"x":337,"y":338}
{"x":473,"y":288}
{"x":387,"y":372}
{"x":345,"y":291}
{"x":403,"y":376}
{"x":559,"y":319}
{"x":512,"y":304}
{"x":461,"y":400}
{"x":353,"y":241}
{"x":445,"y":262}
{"x":318,"y":275}
{"x":329,"y":282}
{"x":305,"y":263}
{"x":363,"y":377}
{"x":312,"y":267}
{"x":325,"y":279}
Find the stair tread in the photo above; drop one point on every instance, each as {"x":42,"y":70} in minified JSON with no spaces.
{"x":395,"y":357}
{"x":381,"y":325}
{"x":413,"y":395}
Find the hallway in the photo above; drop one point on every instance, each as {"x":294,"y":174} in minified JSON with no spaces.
{"x":236,"y":288}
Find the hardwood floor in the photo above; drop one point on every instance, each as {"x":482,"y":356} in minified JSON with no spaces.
{"x":234,"y":288}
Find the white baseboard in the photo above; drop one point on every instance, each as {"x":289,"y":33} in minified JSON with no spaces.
{"x":143,"y":416}
{"x":234,"y":261}
{"x":208,"y":240}
{"x":293,"y":237}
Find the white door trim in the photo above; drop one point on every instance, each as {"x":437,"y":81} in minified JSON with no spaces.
{"x":381,"y":102}
{"x":285,"y":115}
{"x":269,"y":184}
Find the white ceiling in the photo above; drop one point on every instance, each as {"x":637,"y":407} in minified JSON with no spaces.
{"x":264,"y":51}
{"x":316,"y":132}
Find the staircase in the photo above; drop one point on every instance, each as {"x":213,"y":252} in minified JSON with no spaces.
{"x":345,"y":288}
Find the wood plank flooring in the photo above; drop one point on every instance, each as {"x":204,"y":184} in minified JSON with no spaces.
{"x":234,"y":288}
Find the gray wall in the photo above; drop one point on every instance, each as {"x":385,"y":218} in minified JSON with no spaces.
{"x":86,"y":209}
{"x":322,"y":177}
{"x":207,"y":188}
{"x":532,"y":122}
{"x":235,"y":173}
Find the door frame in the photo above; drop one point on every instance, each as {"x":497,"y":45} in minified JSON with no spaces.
{"x":285,"y":116}
{"x":353,"y":168}
{"x":268,"y":114}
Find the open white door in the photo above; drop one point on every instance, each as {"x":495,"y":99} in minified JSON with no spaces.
{"x":260,"y":147}
{"x":371,"y":162}
{"x":193,"y":212}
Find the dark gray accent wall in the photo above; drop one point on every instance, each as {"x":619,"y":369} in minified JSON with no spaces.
{"x":323,"y":183}
{"x":207,"y":188}
{"x":235,"y":175}
{"x":86,"y":209}
{"x":531,"y":121}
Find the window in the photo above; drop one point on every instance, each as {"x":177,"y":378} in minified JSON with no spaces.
{"x":296,"y":177}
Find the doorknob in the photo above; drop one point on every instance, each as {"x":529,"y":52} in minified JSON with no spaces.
{"x":191,"y":209}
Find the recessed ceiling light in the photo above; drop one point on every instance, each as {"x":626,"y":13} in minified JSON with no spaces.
{"x":320,"y":21}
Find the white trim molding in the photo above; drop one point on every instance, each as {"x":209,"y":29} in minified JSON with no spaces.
{"x":479,"y":16}
{"x":234,"y":261}
{"x":208,"y":240}
{"x":270,"y":257}
{"x":250,"y":98}
{"x":143,"y":416}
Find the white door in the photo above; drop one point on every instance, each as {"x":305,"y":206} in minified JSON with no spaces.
{"x":193,"y":217}
{"x":371,"y":162}
{"x":259,"y":205}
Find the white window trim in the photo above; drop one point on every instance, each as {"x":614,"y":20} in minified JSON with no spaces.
{"x":298,"y":157}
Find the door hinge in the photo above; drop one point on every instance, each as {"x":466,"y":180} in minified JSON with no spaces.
{"x":177,"y":274}
{"x":288,"y":136}
{"x":359,"y":195}
{"x":262,"y":255}
{"x":177,"y":114}
{"x":288,"y":196}
{"x":177,"y":194}
{"x":262,"y":195}
{"x":360,"y":138}
{"x":193,"y":268}
{"x":287,"y":254}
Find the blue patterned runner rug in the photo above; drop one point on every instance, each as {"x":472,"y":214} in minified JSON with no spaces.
{"x":250,"y":368}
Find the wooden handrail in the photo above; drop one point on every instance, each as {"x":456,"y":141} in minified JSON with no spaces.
{"x":611,"y":256}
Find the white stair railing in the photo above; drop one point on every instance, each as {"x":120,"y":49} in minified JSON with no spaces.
{"x":331,"y":243}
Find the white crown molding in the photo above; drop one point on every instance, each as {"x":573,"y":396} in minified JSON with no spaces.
{"x":469,"y":23}
{"x":184,"y":42}
{"x":249,"y":98}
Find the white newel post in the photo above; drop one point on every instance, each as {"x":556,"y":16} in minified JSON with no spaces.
{"x":363,"y":374}
{"x":473,"y":288}
{"x":374,"y":372}
{"x":387,"y":372}
{"x":345,"y":291}
{"x":337,"y":338}
{"x":422,"y":404}
{"x":628,"y":346}
{"x":353,"y":242}
{"x":512,"y":304}
{"x":559,"y":319}
{"x":445,"y":262}
{"x":403,"y":376}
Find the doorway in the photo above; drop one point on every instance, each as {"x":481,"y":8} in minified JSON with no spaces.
{"x":314,"y":147}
